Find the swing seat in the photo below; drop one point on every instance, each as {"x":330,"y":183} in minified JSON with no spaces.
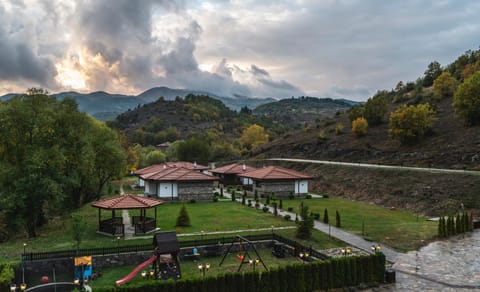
{"x":240,"y":257}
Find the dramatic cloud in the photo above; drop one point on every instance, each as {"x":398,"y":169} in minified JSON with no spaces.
{"x":344,"y":49}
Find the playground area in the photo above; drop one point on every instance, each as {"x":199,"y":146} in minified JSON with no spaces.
{"x":167,"y":260}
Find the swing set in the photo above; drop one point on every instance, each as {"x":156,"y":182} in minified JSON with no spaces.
{"x":243,"y":256}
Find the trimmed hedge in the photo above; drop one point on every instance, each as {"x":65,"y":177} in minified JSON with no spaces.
{"x":318,"y":275}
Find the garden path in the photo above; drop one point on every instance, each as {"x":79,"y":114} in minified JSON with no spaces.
{"x":129,"y":228}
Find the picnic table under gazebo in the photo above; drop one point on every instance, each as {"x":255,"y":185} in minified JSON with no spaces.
{"x":115,"y":226}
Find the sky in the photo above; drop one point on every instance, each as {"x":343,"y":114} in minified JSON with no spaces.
{"x":328,"y":48}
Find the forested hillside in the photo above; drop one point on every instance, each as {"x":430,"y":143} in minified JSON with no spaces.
{"x":298,"y":111}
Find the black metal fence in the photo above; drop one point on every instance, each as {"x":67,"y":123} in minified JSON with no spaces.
{"x":298,"y":247}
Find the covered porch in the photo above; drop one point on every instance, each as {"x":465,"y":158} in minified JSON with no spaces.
{"x":117,"y":225}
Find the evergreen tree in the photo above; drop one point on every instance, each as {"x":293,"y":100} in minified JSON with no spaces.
{"x":304,"y":229}
{"x":267,"y":201}
{"x":337,"y":219}
{"x":183,"y":218}
{"x":280,"y":204}
{"x":243,"y":200}
{"x":255,"y":196}
{"x":458,"y":224}
{"x":233,"y":196}
{"x":325,"y":216}
{"x":275,"y":210}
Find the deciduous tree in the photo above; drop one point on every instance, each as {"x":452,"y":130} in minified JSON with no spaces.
{"x":360,"y":127}
{"x":409,"y":124}
{"x":444,"y":86}
{"x":254,"y":136}
{"x":467,"y":99}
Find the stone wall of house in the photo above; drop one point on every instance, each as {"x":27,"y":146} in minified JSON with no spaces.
{"x":280,"y":188}
{"x":198,"y":191}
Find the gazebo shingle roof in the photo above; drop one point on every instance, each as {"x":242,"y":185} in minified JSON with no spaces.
{"x":275,"y":173}
{"x":128,"y":201}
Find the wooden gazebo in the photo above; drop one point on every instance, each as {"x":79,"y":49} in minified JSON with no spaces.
{"x":115,"y":226}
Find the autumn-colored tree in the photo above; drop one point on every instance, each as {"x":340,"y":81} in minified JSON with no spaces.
{"x":360,"y":127}
{"x":444,"y":85}
{"x":470,"y":69}
{"x":467,"y":99}
{"x":253,"y":136}
{"x":410,"y":123}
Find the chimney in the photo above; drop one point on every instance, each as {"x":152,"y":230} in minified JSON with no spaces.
{"x":244,"y":167}
{"x":164,"y":166}
{"x":194,"y":164}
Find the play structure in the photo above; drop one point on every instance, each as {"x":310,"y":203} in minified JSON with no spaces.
{"x":165,"y":264}
{"x":83,"y":268}
{"x":243,"y":255}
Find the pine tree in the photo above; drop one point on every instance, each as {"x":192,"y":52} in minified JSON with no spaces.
{"x":280,"y":205}
{"x":183,"y":218}
{"x":267,"y":201}
{"x":458,"y":224}
{"x":325,"y":216}
{"x":337,"y":220}
{"x":304,"y":229}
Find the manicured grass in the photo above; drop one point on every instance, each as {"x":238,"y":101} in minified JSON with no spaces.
{"x":395,"y":228}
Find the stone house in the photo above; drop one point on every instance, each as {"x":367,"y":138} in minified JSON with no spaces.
{"x":162,"y":166}
{"x":278,"y":180}
{"x":229,"y":174}
{"x":179,"y":183}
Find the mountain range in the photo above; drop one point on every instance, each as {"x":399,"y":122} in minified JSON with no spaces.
{"x":106,"y":106}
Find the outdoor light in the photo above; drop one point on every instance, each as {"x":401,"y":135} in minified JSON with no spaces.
{"x":76,"y":281}
{"x":376,"y":248}
{"x":152,"y":272}
{"x":346,"y":251}
{"x":24,"y":247}
{"x":23,"y":286}
{"x":203,"y":268}
{"x":144,"y":274}
{"x":13,"y":287}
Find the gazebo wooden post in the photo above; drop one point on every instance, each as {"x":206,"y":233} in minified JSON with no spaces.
{"x":99,"y":219}
{"x":113,"y":222}
{"x":144,"y":210}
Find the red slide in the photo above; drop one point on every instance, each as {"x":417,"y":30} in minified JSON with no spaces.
{"x":135,"y":271}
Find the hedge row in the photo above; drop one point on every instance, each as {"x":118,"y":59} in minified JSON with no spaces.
{"x":328,"y":274}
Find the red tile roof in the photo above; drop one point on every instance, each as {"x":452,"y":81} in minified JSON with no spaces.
{"x":275,"y":173}
{"x":162,"y":166}
{"x":128,"y":201}
{"x":234,"y":168}
{"x":178,"y":174}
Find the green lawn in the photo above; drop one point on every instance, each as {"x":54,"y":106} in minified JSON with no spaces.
{"x":395,"y":228}
{"x":207,"y":216}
